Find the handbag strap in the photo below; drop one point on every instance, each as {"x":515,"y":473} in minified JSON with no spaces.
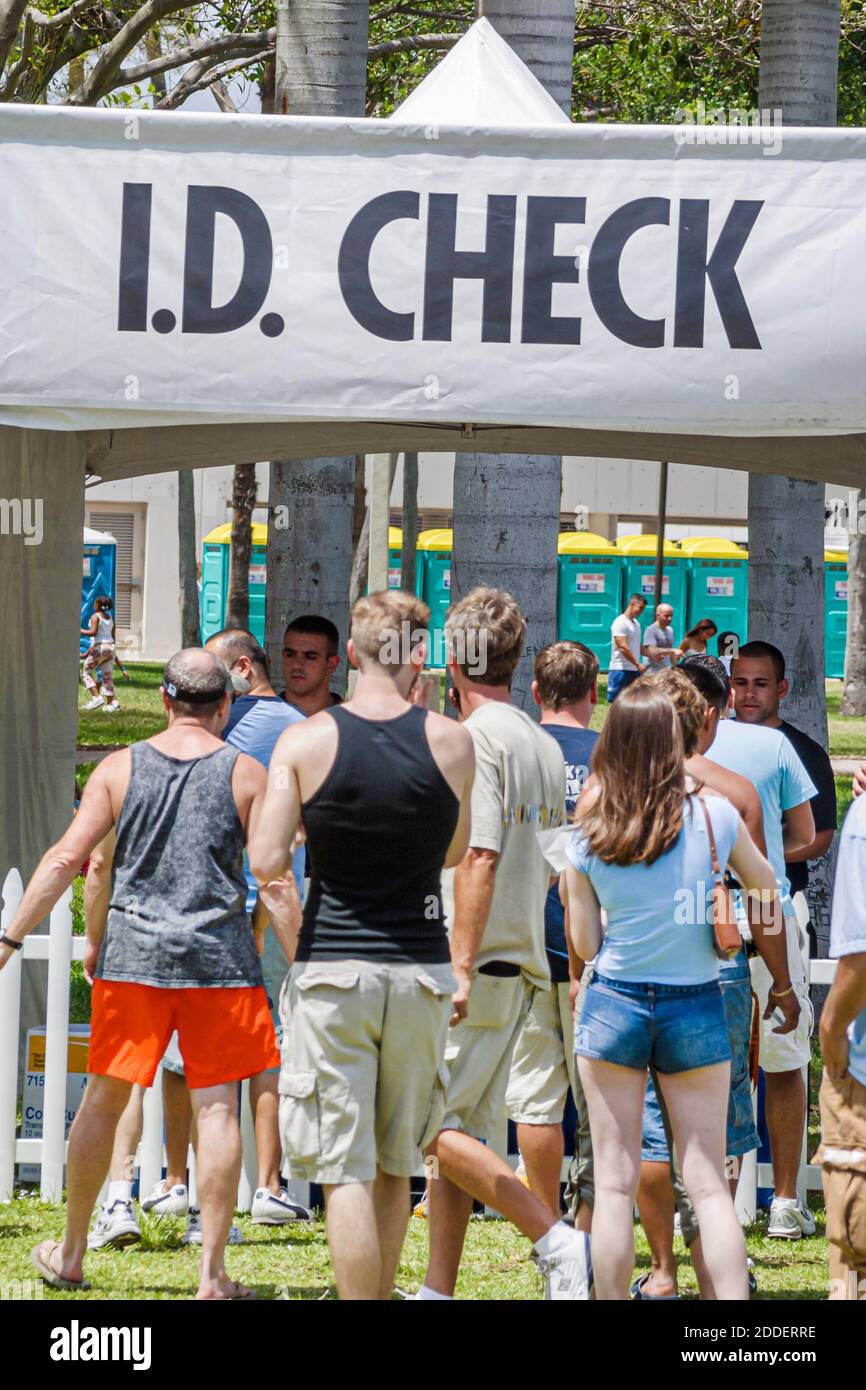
{"x":714,"y":857}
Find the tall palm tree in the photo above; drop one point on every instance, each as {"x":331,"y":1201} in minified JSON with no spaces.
{"x":507,"y":506}
{"x":798,"y":76}
{"x":321,"y":71}
{"x":799,"y":71}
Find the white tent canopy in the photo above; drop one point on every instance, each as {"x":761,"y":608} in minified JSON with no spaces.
{"x":507,"y":280}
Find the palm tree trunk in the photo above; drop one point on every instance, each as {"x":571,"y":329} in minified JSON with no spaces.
{"x":854,"y":695}
{"x":799,"y":74}
{"x":243,"y":503}
{"x":799,"y":67}
{"x":506,"y":506}
{"x":190,"y":619}
{"x":321,"y":71}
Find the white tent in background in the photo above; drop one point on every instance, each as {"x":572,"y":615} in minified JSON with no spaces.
{"x":481,"y":82}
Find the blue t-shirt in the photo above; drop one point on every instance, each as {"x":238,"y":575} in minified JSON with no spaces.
{"x":767,"y":759}
{"x":255,"y":723}
{"x":659,"y":920}
{"x":576,"y":746}
{"x":848,"y":922}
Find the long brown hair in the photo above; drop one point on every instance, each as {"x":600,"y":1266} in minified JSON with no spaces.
{"x":637,"y":814}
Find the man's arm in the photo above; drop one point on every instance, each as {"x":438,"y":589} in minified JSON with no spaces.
{"x":474,"y":881}
{"x":97,"y":895}
{"x":622,"y":645}
{"x":847,"y":998}
{"x":278,"y":900}
{"x":274,"y":819}
{"x":60,"y":864}
{"x":756,"y":875}
{"x":820,"y":845}
{"x":798,"y":829}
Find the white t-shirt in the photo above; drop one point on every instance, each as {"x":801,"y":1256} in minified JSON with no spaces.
{"x":519,"y":789}
{"x":629,"y":628}
{"x":656,"y":636}
{"x":848,"y":926}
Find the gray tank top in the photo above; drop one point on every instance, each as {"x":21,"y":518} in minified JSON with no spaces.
{"x":177,"y":916}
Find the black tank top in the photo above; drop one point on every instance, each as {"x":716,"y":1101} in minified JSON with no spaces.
{"x":378,"y":830}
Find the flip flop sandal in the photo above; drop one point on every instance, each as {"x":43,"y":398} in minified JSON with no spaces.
{"x":637,"y":1293}
{"x":42,"y":1265}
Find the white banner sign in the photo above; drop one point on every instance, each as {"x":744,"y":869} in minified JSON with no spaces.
{"x":162,"y":267}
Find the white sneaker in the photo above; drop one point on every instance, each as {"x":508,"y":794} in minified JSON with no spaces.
{"x":111,"y":708}
{"x":269,"y":1210}
{"x":192,"y":1234}
{"x":96,"y":701}
{"x":790,"y":1219}
{"x":172,"y":1201}
{"x":568,"y":1270}
{"x":115,"y":1225}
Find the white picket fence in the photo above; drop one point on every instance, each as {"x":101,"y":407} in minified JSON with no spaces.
{"x":60,"y":948}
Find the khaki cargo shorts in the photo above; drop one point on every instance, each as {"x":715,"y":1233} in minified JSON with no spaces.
{"x":478,"y":1054}
{"x":542,"y":1067}
{"x":786,"y":1051}
{"x":362,"y":1082}
{"x":843,"y":1157}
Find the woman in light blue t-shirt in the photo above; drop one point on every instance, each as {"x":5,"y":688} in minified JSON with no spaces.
{"x":642,"y":853}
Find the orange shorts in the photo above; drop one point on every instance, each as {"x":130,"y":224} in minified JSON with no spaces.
{"x":224,"y":1034}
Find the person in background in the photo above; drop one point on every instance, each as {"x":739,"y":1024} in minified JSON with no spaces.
{"x":658,"y":641}
{"x":542,"y":1067}
{"x":759,"y":685}
{"x":642,"y":854}
{"x":495,"y":907}
{"x":625,"y":648}
{"x":311,"y":655}
{"x":843,"y":1087}
{"x":697,"y":638}
{"x":768,"y":759}
{"x":177,"y":951}
{"x":101,"y":657}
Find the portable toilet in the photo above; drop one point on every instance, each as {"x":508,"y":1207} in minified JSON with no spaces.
{"x":98,"y":575}
{"x":639,"y":575}
{"x":434,"y":585}
{"x":215,"y":579}
{"x":589,"y":591}
{"x":835,"y":612}
{"x":718,"y":584}
{"x":395,"y":556}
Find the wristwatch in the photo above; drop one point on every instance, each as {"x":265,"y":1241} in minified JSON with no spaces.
{"x":7,"y":941}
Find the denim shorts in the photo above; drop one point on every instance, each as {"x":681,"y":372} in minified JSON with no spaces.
{"x":742,"y":1136}
{"x":672,"y":1028}
{"x":617,"y":681}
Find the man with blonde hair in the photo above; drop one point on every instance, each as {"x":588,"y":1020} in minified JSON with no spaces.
{"x":496,"y":902}
{"x":384,"y":790}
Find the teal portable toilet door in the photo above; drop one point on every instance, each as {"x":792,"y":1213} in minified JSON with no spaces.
{"x":437,"y":596}
{"x":640,"y":578}
{"x":214,"y":588}
{"x":835,"y":619}
{"x":258,"y":589}
{"x":98,"y":567}
{"x":589,"y":597}
{"x":719,"y":589}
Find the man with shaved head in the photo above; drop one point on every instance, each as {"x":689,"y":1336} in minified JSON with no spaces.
{"x":173,"y":951}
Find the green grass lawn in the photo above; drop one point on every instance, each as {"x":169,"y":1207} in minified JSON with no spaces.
{"x":293,"y":1263}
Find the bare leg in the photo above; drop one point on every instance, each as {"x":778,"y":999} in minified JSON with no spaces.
{"x":466,"y":1164}
{"x":265,"y":1107}
{"x":655,"y":1204}
{"x":127,"y":1138}
{"x":91,"y":1140}
{"x":786,"y":1118}
{"x":391,"y":1205}
{"x":178,"y":1121}
{"x":353,"y":1239}
{"x":697,"y":1104}
{"x":542,"y":1149}
{"x":615,"y":1098}
{"x":218,"y":1168}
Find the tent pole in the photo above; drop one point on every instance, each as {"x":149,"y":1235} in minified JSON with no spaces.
{"x":660,"y":531}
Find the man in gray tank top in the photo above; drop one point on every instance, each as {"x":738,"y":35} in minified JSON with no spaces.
{"x":177,"y":951}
